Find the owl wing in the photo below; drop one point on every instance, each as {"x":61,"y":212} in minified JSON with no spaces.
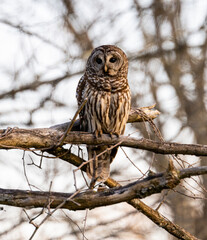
{"x":80,"y":98}
{"x":80,"y":89}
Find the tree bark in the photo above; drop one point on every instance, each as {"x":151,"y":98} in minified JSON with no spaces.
{"x":91,"y":199}
{"x":46,"y":138}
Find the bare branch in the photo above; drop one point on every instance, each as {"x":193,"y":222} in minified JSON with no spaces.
{"x":91,"y":199}
{"x":23,"y":29}
{"x":161,"y":221}
{"x":147,"y":55}
{"x":37,"y":83}
{"x":46,"y":138}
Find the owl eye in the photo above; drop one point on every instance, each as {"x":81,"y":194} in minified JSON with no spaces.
{"x":98,"y":60}
{"x":112,"y":60}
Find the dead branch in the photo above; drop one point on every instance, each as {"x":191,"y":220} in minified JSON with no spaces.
{"x":46,"y":138}
{"x":91,"y":199}
{"x":162,"y":221}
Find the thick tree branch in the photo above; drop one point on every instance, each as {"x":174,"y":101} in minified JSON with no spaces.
{"x":161,"y":221}
{"x":91,"y":199}
{"x":45,"y":138}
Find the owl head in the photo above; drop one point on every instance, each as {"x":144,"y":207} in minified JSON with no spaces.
{"x":108,"y":60}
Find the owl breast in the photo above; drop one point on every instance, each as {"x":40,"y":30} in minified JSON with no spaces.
{"x":106,"y":111}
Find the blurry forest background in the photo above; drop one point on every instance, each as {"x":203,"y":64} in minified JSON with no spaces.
{"x":43,"y":50}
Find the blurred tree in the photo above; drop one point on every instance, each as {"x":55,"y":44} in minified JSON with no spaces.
{"x":179,"y":52}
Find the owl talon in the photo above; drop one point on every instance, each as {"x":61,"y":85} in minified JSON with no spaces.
{"x":98,"y":133}
{"x":116,"y":134}
{"x":113,"y":135}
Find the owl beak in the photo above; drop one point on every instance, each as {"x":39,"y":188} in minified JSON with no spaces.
{"x":105,"y":68}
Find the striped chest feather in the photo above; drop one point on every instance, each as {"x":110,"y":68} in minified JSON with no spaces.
{"x":106,"y":112}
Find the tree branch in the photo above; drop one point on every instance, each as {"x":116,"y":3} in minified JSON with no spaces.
{"x":91,"y":199}
{"x":45,"y":138}
{"x":37,"y":83}
{"x":23,"y":29}
{"x":146,"y":56}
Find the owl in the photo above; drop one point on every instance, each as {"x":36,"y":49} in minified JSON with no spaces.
{"x":106,"y":88}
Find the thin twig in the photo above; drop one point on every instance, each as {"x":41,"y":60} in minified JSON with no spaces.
{"x":61,"y":141}
{"x":51,"y":213}
{"x":25,"y":172}
{"x":106,"y":150}
{"x":84,"y":224}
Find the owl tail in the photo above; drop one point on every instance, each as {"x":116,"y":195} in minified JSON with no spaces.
{"x":98,"y":167}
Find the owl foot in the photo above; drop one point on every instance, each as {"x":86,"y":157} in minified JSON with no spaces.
{"x":113,"y":135}
{"x":98,"y":133}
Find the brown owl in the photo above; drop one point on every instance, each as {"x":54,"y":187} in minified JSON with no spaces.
{"x":105,"y":85}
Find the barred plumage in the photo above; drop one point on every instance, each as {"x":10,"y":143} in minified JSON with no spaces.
{"x":105,"y":85}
